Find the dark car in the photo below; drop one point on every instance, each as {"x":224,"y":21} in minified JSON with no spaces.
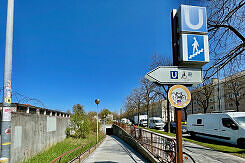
{"x":173,"y":128}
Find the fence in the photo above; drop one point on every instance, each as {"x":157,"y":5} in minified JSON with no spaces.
{"x":161,"y":146}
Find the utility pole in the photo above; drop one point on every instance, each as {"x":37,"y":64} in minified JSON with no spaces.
{"x":7,"y":87}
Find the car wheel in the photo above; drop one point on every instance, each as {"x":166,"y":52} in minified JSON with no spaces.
{"x":241,"y":143}
{"x":192,"y":134}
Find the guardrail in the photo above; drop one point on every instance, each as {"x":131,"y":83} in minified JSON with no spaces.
{"x":161,"y":146}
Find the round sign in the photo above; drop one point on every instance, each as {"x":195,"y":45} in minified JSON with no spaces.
{"x":8,"y":131}
{"x":179,"y":96}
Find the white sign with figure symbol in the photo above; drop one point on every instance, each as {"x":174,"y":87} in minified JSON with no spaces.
{"x":193,"y":40}
{"x":194,"y":48}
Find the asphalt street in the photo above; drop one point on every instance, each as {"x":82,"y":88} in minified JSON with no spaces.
{"x":206,"y":155}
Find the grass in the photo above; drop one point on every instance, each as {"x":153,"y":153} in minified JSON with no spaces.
{"x":216,"y":145}
{"x":63,"y":147}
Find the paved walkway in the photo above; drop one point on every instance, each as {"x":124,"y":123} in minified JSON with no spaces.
{"x":114,"y":150}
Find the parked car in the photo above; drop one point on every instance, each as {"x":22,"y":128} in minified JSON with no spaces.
{"x":226,"y":127}
{"x":156,"y":122}
{"x":125,"y":121}
{"x":173,"y":128}
{"x":143,"y":122}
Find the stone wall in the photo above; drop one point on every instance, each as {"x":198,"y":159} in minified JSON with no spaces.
{"x":33,"y":133}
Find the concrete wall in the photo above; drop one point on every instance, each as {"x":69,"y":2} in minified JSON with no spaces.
{"x":122,"y":134}
{"x":33,"y":133}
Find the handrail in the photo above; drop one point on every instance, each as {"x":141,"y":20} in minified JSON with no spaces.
{"x":60,"y":157}
{"x":64,"y":154}
{"x":161,"y":146}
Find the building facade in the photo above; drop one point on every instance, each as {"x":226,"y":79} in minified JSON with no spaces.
{"x":219,"y":96}
{"x":158,"y":109}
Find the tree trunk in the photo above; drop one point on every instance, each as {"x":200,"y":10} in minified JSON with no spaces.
{"x":185,"y":110}
{"x":168,"y":115}
{"x":237,"y":104}
{"x":192,"y":107}
{"x":138,"y":117}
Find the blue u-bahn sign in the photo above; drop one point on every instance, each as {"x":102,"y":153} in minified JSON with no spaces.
{"x":192,"y":25}
{"x":194,"y":48}
{"x":192,"y":19}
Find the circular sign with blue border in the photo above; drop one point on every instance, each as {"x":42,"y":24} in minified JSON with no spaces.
{"x":179,"y":96}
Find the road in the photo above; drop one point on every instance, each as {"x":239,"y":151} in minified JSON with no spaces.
{"x":203,"y":155}
{"x":114,"y":150}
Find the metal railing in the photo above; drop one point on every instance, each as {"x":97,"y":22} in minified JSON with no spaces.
{"x":161,"y":146}
{"x":78,"y":157}
{"x":59,"y":159}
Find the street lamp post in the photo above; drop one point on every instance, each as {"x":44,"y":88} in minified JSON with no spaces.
{"x":97,"y":101}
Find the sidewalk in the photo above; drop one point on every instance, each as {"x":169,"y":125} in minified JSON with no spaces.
{"x":114,"y":150}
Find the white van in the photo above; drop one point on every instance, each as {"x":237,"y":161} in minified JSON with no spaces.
{"x":125,"y":121}
{"x":226,"y":127}
{"x":156,"y":122}
{"x":143,"y":122}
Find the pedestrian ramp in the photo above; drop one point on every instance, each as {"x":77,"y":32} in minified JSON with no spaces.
{"x":114,"y":150}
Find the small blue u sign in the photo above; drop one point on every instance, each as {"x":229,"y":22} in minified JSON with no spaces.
{"x":174,"y":74}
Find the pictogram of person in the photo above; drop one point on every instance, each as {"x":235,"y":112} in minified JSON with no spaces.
{"x":195,"y":45}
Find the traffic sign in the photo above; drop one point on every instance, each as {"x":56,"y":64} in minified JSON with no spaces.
{"x":179,"y":96}
{"x":194,"y":48}
{"x":175,"y":75}
{"x":192,"y":19}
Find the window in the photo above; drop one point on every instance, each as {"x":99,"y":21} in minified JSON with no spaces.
{"x":211,"y":107}
{"x":227,"y":122}
{"x":196,"y":109}
{"x":229,"y":95}
{"x":199,"y":121}
{"x":229,"y":85}
{"x":236,"y":83}
{"x":230,"y":105}
{"x":240,"y":120}
{"x":195,"y":102}
{"x":237,"y":94}
{"x":210,"y":100}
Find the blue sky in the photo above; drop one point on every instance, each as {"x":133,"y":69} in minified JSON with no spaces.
{"x":67,"y":52}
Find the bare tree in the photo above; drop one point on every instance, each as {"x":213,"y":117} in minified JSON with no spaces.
{"x":233,"y":84}
{"x":135,"y":101}
{"x":148,"y":95}
{"x":161,"y":91}
{"x":202,"y":95}
{"x":226,"y":26}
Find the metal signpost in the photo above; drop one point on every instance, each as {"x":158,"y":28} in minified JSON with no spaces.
{"x":179,"y":96}
{"x":190,"y":49}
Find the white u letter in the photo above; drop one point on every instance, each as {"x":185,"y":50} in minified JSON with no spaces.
{"x":187,"y":18}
